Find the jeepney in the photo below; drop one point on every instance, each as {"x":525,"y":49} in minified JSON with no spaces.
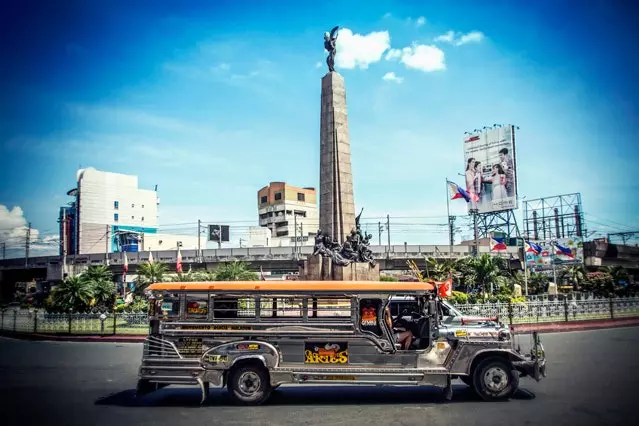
{"x":253,"y":336}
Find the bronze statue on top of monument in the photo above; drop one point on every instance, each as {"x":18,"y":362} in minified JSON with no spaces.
{"x":356,"y":248}
{"x":330,"y":45}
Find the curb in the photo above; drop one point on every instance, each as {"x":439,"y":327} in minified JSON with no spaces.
{"x":551,"y":327}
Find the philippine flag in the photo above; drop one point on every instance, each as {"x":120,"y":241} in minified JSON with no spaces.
{"x":457,"y":191}
{"x":565,"y":251}
{"x":532,"y":248}
{"x":497,"y":244}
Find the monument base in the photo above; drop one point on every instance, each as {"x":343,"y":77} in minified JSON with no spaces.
{"x":318,"y":268}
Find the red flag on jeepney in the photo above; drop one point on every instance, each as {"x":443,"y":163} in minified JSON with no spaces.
{"x":178,"y":265}
{"x":445,"y":289}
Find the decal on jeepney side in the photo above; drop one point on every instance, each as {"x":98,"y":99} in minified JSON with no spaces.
{"x":326,"y":352}
{"x":215,"y":359}
{"x":214,"y":327}
{"x":369,"y":317}
{"x":461,"y":333}
{"x":247,"y":347}
{"x":189,"y":346}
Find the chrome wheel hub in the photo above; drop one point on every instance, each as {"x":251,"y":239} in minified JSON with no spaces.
{"x":249,"y":383}
{"x":496,"y":379}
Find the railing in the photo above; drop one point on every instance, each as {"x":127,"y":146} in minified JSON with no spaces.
{"x":531,"y":312}
{"x":565,"y":310}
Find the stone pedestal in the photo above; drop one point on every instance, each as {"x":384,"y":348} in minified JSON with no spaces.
{"x":317,"y":268}
{"x":337,"y":205}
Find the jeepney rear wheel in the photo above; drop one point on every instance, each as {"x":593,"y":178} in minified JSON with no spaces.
{"x":249,"y":384}
{"x":495,"y":380}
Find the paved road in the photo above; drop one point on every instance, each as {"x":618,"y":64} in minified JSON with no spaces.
{"x":592,"y":381}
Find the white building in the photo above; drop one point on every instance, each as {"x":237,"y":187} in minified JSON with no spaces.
{"x":113,"y":215}
{"x":289,"y":212}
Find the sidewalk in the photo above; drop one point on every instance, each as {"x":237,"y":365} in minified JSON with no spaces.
{"x":551,"y":327}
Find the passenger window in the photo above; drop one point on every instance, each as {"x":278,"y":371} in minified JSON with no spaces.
{"x":329,"y":308}
{"x":170,"y":306}
{"x":369,"y":315}
{"x":197,"y":307}
{"x":281,"y":307}
{"x":231,"y":307}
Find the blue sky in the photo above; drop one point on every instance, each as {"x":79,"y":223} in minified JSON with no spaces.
{"x":212,"y":100}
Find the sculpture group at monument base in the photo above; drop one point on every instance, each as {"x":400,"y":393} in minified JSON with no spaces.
{"x":318,"y":268}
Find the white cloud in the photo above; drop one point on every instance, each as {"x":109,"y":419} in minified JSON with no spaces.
{"x":390,"y":76}
{"x":13,"y":233}
{"x":459,"y":39}
{"x":318,"y":64}
{"x":422,"y":57}
{"x":387,"y":15}
{"x":357,"y":50}
{"x":420,"y":21}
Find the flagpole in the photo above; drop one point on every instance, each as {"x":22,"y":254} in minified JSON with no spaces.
{"x":525,"y":272}
{"x":450,"y":228}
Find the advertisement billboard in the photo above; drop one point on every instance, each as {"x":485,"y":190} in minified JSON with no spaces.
{"x":219,"y":233}
{"x":490,"y":169}
{"x":563,"y":251}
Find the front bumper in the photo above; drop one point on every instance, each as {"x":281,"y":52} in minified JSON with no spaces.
{"x":534,"y":364}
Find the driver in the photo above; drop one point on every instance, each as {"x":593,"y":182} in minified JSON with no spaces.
{"x":402,"y":336}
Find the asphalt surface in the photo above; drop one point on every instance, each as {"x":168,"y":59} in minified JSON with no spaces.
{"x":592,"y":380}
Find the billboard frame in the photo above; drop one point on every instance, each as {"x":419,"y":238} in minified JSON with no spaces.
{"x":554,"y":217}
{"x":489,"y":140}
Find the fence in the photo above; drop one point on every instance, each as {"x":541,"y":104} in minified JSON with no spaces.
{"x":557,"y":310}
{"x":539,"y":311}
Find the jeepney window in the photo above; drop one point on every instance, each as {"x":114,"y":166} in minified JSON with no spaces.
{"x":197,"y":306}
{"x":328,"y":308}
{"x":281,"y":307}
{"x":233,"y":307}
{"x":170,"y":306}
{"x":370,"y":311}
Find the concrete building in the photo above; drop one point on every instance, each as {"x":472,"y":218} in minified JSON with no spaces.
{"x":110,"y":213}
{"x":289,"y":212}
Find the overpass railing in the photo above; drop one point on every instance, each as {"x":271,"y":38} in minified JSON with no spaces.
{"x":404,"y":251}
{"x":132,"y":323}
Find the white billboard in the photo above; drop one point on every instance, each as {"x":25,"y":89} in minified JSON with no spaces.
{"x":491,"y":170}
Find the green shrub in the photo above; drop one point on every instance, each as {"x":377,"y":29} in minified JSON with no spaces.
{"x":388,"y":278}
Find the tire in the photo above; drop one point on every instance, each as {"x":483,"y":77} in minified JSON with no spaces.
{"x":249,"y":385}
{"x":495,"y":380}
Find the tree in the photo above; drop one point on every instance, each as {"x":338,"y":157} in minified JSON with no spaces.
{"x":234,"y":271}
{"x":537,"y":283}
{"x":599,"y":283}
{"x":149,"y":273}
{"x":487,"y":272}
{"x":73,"y":293}
{"x":96,"y":273}
{"x":575,"y":274}
{"x":617,"y":272}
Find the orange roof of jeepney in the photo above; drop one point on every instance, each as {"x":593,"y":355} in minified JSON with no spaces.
{"x":296,"y":286}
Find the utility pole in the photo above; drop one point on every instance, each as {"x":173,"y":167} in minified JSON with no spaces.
{"x":451,"y":232}
{"x":219,"y":240}
{"x":4,"y":251}
{"x":379,"y":231}
{"x":388,"y":230}
{"x":63,"y":241}
{"x":476,"y":233}
{"x":106,"y":251}
{"x":199,"y":235}
{"x":26,"y":254}
{"x":295,"y":232}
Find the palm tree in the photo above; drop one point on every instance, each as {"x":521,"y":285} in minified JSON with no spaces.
{"x":149,"y":273}
{"x":103,"y":292}
{"x":95,"y":273}
{"x":487,"y":271}
{"x":234,"y":271}
{"x":537,"y":283}
{"x":73,"y":293}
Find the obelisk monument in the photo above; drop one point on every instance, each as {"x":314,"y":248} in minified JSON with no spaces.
{"x":337,"y":207}
{"x":341,"y":250}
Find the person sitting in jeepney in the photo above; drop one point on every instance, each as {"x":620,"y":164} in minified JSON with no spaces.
{"x":402,"y":336}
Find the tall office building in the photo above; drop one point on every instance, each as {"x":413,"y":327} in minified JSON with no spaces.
{"x":282,"y":207}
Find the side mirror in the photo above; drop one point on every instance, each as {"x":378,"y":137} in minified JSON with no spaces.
{"x":432,"y":307}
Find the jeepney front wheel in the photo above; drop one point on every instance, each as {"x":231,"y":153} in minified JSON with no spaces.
{"x":249,"y":384}
{"x":495,"y":380}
